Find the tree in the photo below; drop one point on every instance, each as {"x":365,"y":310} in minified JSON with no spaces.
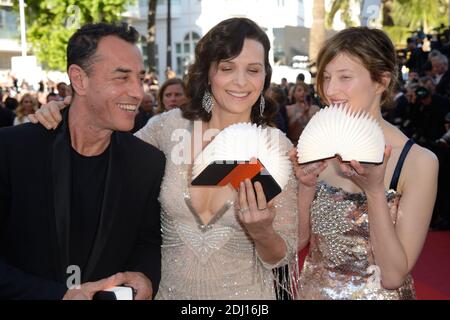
{"x":399,"y":17}
{"x":52,"y":22}
{"x":344,"y":6}
{"x":151,"y":32}
{"x":346,"y":13}
{"x":415,"y":14}
{"x":410,"y":15}
{"x":317,"y":32}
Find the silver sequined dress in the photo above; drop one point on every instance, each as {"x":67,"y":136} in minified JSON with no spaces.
{"x":340,"y":263}
{"x":217,"y":260}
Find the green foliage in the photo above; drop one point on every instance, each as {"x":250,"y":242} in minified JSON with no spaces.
{"x":397,"y":34}
{"x":344,"y":6}
{"x":408,"y":15}
{"x":52,"y":22}
{"x":415,"y":14}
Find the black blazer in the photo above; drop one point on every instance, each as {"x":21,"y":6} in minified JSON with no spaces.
{"x":35,"y":212}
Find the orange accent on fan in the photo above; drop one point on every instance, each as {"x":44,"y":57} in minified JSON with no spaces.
{"x":240,"y":173}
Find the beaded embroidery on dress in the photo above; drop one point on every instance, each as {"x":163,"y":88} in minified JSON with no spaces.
{"x":340,"y":263}
{"x":216,"y":260}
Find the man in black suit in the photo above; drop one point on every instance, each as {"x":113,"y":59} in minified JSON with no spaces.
{"x":6,"y":116}
{"x":79,"y":208}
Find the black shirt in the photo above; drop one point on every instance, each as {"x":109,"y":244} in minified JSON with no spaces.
{"x":88,"y":186}
{"x":6,"y":117}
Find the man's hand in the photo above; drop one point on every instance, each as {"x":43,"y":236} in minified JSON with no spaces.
{"x":87,"y":290}
{"x":140,"y":283}
{"x":49,"y":115}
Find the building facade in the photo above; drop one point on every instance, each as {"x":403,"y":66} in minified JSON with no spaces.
{"x":191,"y":19}
{"x":9,"y":34}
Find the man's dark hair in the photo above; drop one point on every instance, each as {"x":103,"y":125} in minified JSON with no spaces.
{"x":83,"y":43}
{"x":300,"y":77}
{"x":11,"y":103}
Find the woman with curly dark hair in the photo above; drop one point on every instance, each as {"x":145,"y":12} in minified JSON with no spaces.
{"x":209,"y":251}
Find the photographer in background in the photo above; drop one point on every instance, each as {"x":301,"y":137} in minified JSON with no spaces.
{"x":431,"y":123}
{"x":441,"y":214}
{"x":428,"y":117}
{"x":444,"y":141}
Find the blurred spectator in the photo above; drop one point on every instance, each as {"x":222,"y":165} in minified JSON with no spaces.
{"x":445,"y":139}
{"x":170,"y":74}
{"x":410,"y":47}
{"x":300,"y":78}
{"x":28,"y":105}
{"x":6,"y":115}
{"x":154,"y":90}
{"x":52,"y":97}
{"x":145,"y":112}
{"x":11,"y":103}
{"x":285,"y":86}
{"x":300,"y":112}
{"x":441,"y":214}
{"x":61,"y":87}
{"x":41,"y":86}
{"x":279,"y":97}
{"x":399,"y":112}
{"x":172,"y":94}
{"x":428,"y":117}
{"x":427,"y":82}
{"x":441,"y":74}
{"x":417,"y":59}
{"x":290,"y":98}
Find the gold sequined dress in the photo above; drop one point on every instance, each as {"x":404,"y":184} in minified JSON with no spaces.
{"x":340,"y":263}
{"x":217,"y":260}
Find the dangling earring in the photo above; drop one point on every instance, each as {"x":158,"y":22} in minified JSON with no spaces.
{"x":207,"y":101}
{"x":262,"y":105}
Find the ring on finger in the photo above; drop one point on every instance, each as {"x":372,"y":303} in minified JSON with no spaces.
{"x":244,"y":210}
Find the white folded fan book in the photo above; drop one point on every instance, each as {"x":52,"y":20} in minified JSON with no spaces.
{"x":226,"y":159}
{"x":337,"y":131}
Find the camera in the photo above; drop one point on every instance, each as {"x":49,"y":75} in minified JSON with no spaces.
{"x":422,"y":93}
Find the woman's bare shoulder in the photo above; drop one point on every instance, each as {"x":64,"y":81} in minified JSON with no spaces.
{"x":421,"y":156}
{"x":421,"y":164}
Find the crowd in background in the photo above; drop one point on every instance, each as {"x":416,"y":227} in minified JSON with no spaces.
{"x":421,"y":108}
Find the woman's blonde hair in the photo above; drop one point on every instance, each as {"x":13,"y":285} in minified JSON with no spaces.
{"x":20,"y":111}
{"x":372,"y":47}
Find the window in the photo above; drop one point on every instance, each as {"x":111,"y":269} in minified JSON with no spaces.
{"x":184,"y":52}
{"x":9,"y":23}
{"x":2,"y":19}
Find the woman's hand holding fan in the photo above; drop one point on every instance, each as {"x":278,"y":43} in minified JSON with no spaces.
{"x":254,"y":211}
{"x":227,"y":159}
{"x":368,"y":177}
{"x":307,"y":174}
